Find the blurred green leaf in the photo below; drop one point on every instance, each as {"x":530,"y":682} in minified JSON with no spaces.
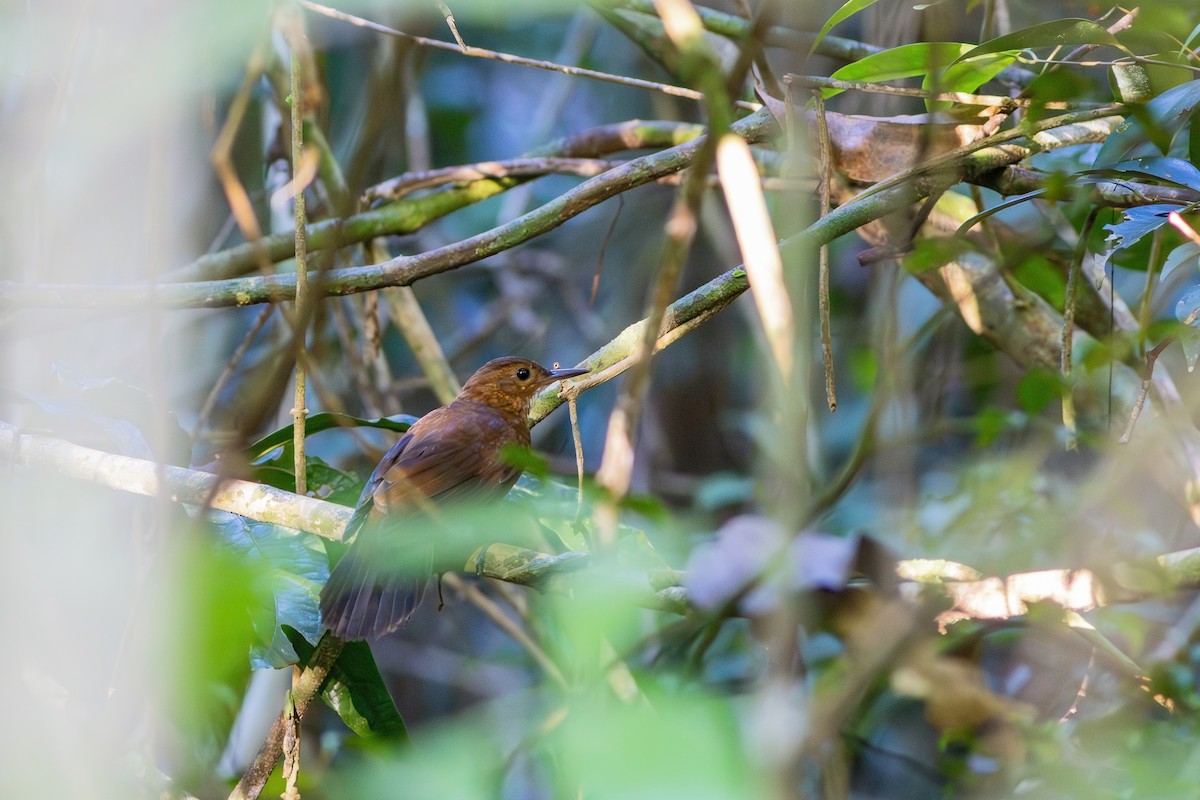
{"x":204,"y":642}
{"x":525,"y":460}
{"x":1055,"y":87}
{"x":935,"y":252}
{"x":675,"y":745}
{"x":1037,"y":389}
{"x":1136,"y":223}
{"x":1044,"y":277}
{"x":989,"y":424}
{"x":911,"y":60}
{"x":965,"y":76}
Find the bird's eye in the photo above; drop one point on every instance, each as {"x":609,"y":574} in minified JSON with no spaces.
{"x":522,"y":374}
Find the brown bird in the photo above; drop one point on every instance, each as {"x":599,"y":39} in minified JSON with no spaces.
{"x":451,"y":454}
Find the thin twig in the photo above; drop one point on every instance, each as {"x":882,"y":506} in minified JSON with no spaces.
{"x":507,"y":58}
{"x":496,"y":614}
{"x":1147,"y":380}
{"x":1068,"y":331}
{"x":395,"y":188}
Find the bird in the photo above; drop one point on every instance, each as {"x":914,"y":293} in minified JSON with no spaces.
{"x":450,"y":455}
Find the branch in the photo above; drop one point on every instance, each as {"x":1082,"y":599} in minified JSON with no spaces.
{"x":253,"y":500}
{"x":964,"y":163}
{"x":414,"y":213}
{"x":400,"y":271}
{"x":509,"y":58}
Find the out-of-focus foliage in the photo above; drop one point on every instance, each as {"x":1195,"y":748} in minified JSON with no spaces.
{"x":790,"y":602}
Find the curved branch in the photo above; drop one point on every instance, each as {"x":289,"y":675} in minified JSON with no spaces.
{"x":414,"y":213}
{"x":188,"y":486}
{"x":400,"y":271}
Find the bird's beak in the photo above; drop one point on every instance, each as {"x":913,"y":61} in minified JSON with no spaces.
{"x":561,"y":374}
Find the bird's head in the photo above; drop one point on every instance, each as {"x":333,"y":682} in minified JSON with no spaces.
{"x":510,"y":383}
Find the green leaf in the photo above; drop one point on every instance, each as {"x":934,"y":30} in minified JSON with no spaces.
{"x":1048,"y":34}
{"x":991,"y":423}
{"x":323,"y":422}
{"x":1137,"y":222}
{"x":1170,"y":170}
{"x":1153,"y":129}
{"x":848,"y":9}
{"x":322,"y":480}
{"x":526,"y":460}
{"x":1130,"y":83}
{"x":1043,"y":277}
{"x":906,"y":61}
{"x":1038,"y":389}
{"x":290,"y":568}
{"x":967,"y":76}
{"x":355,"y":690}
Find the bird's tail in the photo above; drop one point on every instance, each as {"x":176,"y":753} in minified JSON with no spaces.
{"x":363,"y":599}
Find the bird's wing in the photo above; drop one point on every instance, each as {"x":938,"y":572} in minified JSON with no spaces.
{"x":379,"y":582}
{"x":440,"y":462}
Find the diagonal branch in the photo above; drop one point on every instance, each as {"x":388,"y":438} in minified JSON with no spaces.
{"x":400,"y":271}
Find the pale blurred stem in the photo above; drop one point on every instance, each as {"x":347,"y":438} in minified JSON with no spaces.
{"x":888,"y":631}
{"x":284,"y":85}
{"x":734,"y":27}
{"x":699,"y":64}
{"x":1068,"y":331}
{"x":577,"y":438}
{"x":413,"y":325}
{"x":222,"y":161}
{"x":1153,"y":270}
{"x":413,"y":213}
{"x":296,"y":36}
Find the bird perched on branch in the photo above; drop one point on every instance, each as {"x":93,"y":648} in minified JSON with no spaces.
{"x":451,"y":454}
